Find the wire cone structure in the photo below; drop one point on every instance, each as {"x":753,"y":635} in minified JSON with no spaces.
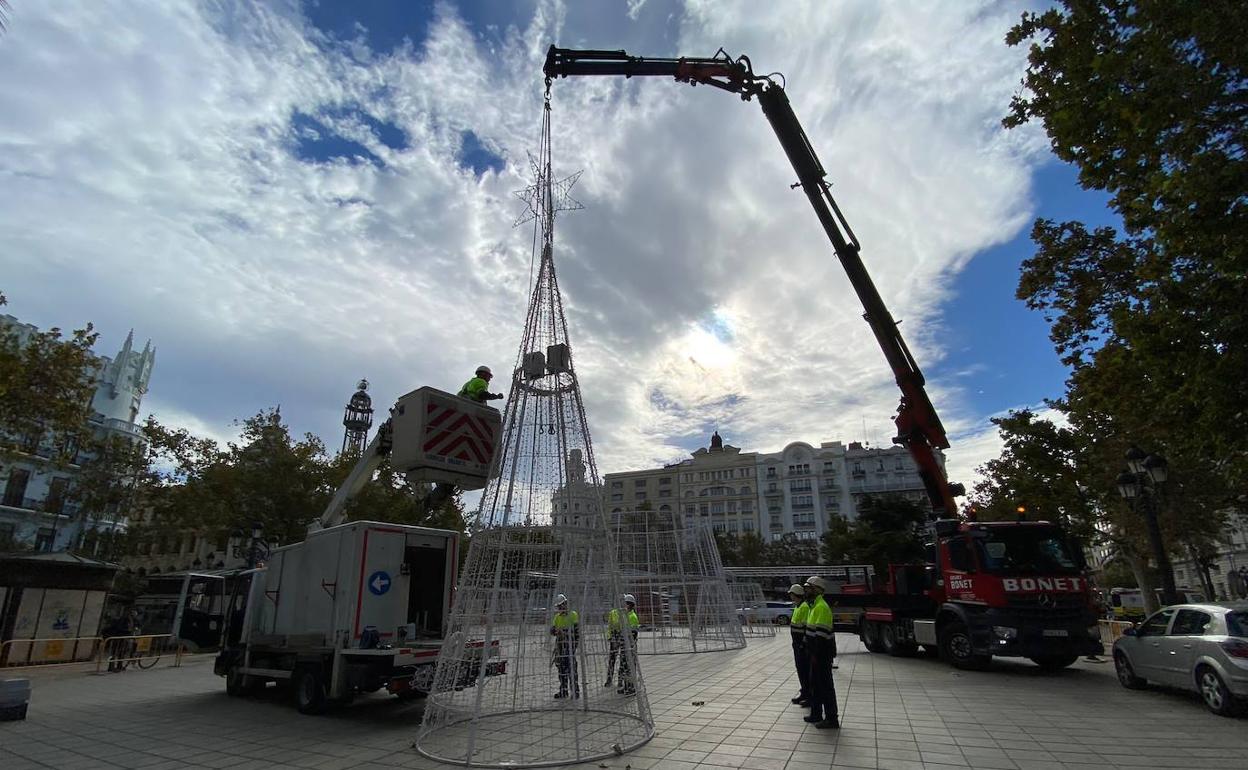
{"x":749,"y":601}
{"x":514,"y":686}
{"x":676,"y":574}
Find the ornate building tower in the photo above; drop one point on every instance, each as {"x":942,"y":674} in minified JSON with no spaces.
{"x":357,"y":419}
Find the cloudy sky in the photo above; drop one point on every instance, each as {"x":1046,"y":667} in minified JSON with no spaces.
{"x":288,"y":196}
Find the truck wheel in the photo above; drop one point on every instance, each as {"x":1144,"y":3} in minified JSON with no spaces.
{"x":888,"y":638}
{"x":238,"y":684}
{"x":310,"y":696}
{"x":870,"y":635}
{"x":956,"y":647}
{"x":1054,"y":662}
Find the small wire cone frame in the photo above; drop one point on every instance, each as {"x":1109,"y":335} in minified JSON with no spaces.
{"x":749,"y":601}
{"x":500,"y":708}
{"x":675,"y":572}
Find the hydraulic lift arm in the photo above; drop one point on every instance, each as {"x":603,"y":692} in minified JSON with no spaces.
{"x":918,"y":426}
{"x":370,"y":460}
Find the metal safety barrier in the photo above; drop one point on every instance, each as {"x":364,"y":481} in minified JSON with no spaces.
{"x":1111,"y":630}
{"x":141,"y":650}
{"x":50,"y":651}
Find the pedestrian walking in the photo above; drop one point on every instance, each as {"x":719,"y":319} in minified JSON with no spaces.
{"x":797,"y":633}
{"x":821,"y":650}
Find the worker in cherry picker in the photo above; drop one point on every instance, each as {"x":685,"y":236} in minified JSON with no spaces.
{"x":478,"y":388}
{"x":820,"y":650}
{"x":615,"y":642}
{"x":797,"y":632}
{"x":566,"y":628}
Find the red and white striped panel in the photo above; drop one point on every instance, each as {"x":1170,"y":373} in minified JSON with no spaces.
{"x":452,"y":433}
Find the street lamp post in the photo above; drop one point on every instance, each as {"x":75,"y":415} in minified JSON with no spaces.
{"x":1147,"y":472}
{"x":256,"y":549}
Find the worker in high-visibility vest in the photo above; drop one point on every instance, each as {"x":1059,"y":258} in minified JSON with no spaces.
{"x":566,"y":628}
{"x":615,"y":641}
{"x":797,"y":631}
{"x":478,"y":388}
{"x":821,"y":649}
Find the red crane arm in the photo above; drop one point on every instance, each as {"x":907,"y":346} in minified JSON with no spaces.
{"x":918,"y":426}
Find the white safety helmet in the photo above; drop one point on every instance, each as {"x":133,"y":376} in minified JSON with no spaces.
{"x":797,"y":590}
{"x":561,"y":601}
{"x":817,"y":582}
{"x":630,"y":599}
{"x":483,"y":369}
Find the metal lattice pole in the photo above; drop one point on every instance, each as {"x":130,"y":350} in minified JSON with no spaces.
{"x":516,"y":680}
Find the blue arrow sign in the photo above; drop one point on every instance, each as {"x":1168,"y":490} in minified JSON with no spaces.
{"x":378,"y":583}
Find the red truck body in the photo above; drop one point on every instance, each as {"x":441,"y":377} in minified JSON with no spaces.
{"x":1010,"y":589}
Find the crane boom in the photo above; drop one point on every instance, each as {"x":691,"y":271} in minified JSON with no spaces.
{"x":919,"y":428}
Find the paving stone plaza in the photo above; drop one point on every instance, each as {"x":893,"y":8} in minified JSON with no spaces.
{"x":896,"y":713}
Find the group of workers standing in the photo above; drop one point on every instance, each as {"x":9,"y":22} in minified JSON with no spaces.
{"x":814,"y":650}
{"x":565,"y":627}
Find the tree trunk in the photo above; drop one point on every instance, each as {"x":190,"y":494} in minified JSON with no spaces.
{"x":1144,"y":579}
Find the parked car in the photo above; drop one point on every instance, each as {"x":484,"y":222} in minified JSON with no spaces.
{"x":1197,"y":647}
{"x":766,"y":612}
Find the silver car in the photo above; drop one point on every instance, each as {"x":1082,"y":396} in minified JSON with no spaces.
{"x":1198,"y":647}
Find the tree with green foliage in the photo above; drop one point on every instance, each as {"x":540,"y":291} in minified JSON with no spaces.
{"x":791,"y":550}
{"x":1148,"y":100}
{"x":889,"y":530}
{"x":45,"y":392}
{"x":744,"y":550}
{"x":1038,"y":471}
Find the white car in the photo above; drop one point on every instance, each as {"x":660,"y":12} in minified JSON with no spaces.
{"x":766,"y":612}
{"x":1198,"y":647}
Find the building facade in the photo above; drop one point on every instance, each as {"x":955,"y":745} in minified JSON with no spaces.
{"x":35,"y":506}
{"x":772,"y":494}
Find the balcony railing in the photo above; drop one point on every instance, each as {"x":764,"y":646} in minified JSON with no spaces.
{"x":61,"y":508}
{"x":886,"y":486}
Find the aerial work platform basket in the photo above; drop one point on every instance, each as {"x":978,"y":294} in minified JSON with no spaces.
{"x":440,"y":438}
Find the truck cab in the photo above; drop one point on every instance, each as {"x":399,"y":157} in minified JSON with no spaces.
{"x":1011,"y":589}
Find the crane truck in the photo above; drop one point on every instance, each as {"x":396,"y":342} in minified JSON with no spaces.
{"x":363,"y":605}
{"x":1001,"y":588}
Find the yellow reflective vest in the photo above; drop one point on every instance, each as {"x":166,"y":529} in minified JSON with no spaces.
{"x":475,"y":389}
{"x":819,"y":621}
{"x":797,"y":622}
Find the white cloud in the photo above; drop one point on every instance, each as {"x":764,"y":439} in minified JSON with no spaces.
{"x":147,"y":166}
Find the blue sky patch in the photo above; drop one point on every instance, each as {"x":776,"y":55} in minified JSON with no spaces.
{"x":340,"y":134}
{"x":383,"y":25}
{"x":474,"y":155}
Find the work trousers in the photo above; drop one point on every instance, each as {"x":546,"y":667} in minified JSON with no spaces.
{"x":822,"y":688}
{"x":565,"y":661}
{"x":615,"y":647}
{"x":801,"y":661}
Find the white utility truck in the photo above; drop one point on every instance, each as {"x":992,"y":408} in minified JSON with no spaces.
{"x":364,"y":605}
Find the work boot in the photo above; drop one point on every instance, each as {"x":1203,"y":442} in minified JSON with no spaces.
{"x":798,"y":699}
{"x":804,"y":703}
{"x":812,"y":719}
{"x":828,"y":724}
{"x":561,"y":694}
{"x":607,"y":683}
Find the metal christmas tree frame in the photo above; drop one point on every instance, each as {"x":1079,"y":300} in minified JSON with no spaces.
{"x":675,"y":571}
{"x":749,"y":600}
{"x":515,"y":686}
